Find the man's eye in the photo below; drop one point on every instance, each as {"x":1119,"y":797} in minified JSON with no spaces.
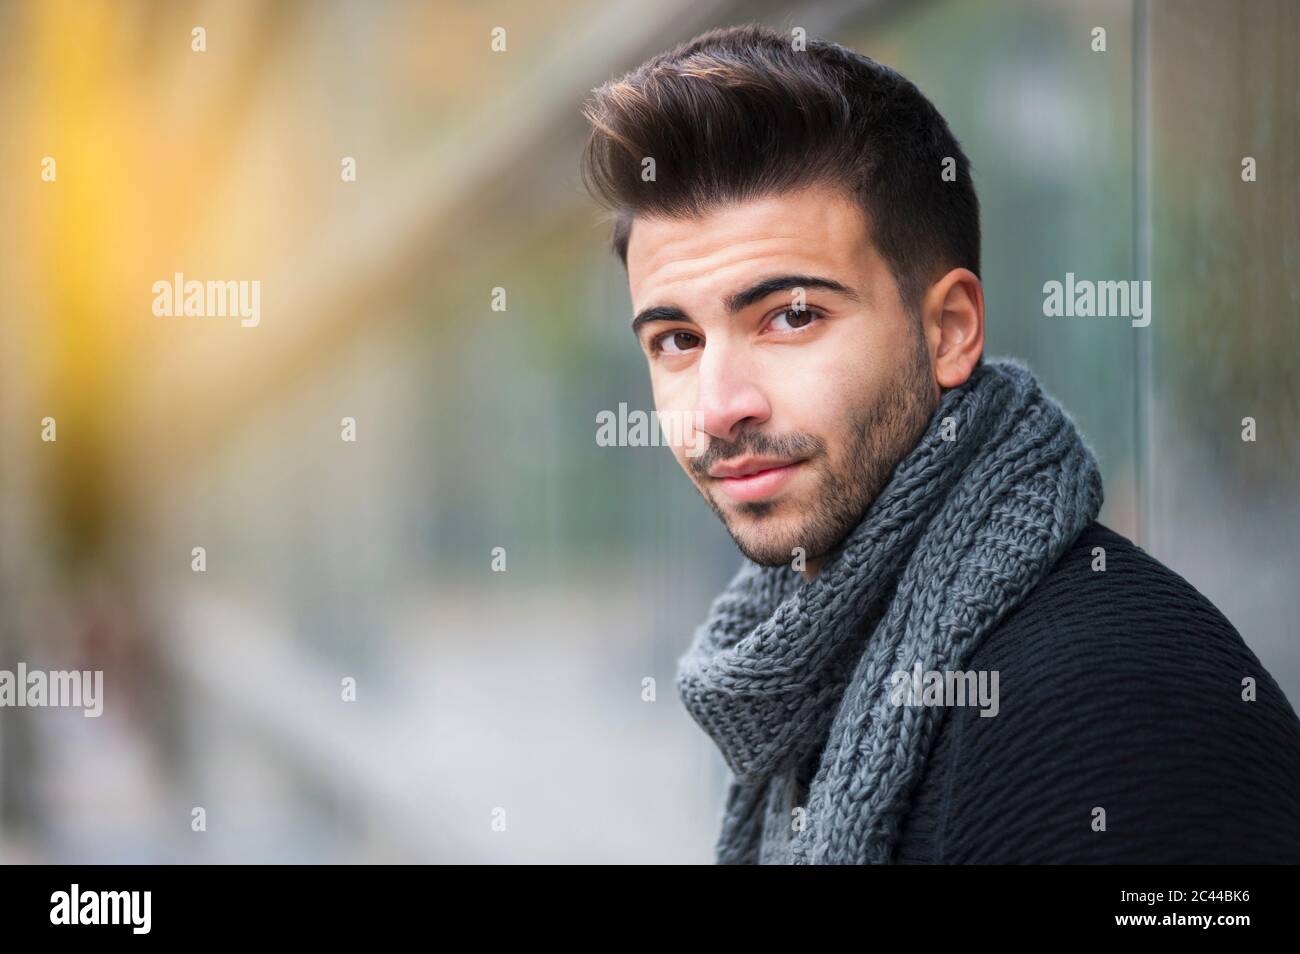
{"x":676,"y":342}
{"x":795,"y":318}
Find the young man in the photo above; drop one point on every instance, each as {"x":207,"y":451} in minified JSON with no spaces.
{"x":933,"y":652}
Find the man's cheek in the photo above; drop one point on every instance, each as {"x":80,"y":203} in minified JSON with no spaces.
{"x":683,"y":431}
{"x":695,"y":440}
{"x":680,"y":427}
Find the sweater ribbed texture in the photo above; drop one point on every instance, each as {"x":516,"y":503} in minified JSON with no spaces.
{"x":1119,"y":689}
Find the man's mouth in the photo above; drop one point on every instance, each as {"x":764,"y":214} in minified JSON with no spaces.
{"x":754,"y":478}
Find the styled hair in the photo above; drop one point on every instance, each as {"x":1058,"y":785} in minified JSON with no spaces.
{"x":740,"y":113}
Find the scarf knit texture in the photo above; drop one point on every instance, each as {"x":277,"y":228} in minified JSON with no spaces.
{"x":790,"y":676}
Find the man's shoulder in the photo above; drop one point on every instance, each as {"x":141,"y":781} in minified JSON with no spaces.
{"x":1108,"y":599}
{"x":1121,"y":688}
{"x":1110,"y":629}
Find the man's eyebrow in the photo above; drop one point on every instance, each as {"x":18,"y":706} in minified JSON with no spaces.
{"x":741,"y":300}
{"x":757,"y":292}
{"x":659,"y":313}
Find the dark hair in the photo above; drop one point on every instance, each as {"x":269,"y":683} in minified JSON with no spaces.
{"x":740,"y":113}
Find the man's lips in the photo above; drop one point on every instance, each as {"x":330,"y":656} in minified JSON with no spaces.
{"x":753,"y":478}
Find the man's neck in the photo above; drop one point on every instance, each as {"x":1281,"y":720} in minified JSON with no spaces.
{"x":811,"y":567}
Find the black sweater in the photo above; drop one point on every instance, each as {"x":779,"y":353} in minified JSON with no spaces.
{"x":1119,"y":690}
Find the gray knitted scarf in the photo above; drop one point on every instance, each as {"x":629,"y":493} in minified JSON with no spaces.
{"x":788,"y":675}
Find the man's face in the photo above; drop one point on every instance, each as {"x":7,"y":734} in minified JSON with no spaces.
{"x":776,"y":326}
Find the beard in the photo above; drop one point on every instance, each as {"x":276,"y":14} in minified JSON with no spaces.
{"x":849,"y":471}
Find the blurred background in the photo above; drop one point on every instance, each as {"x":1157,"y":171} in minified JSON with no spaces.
{"x":523,"y":690}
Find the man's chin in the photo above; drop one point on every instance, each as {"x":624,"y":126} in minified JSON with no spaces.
{"x":766,"y":546}
{"x":765,"y":558}
{"x":780,"y":533}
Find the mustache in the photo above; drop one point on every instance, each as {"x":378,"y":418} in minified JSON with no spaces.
{"x":759,"y":444}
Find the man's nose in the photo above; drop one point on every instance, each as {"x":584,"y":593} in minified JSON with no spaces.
{"x":729,"y":393}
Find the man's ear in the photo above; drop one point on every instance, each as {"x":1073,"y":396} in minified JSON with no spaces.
{"x":953,"y":317}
